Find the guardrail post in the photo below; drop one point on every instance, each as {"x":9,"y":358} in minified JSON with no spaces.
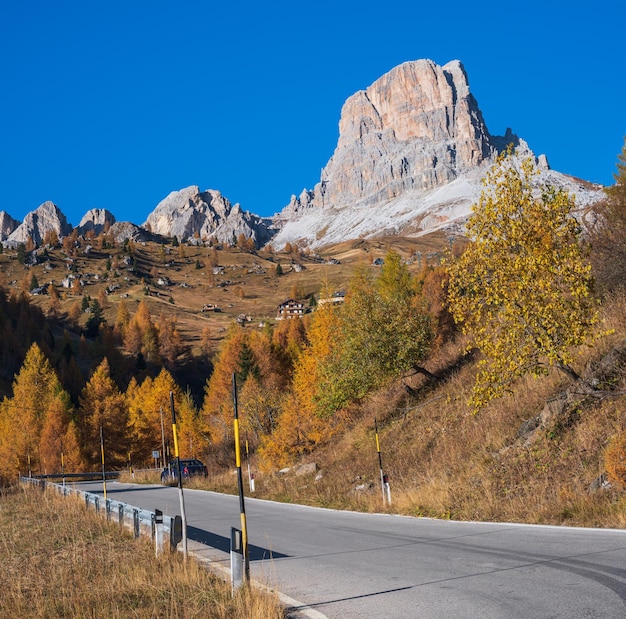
{"x":158,"y":531}
{"x":136,"y":523}
{"x":86,"y":500}
{"x":96,"y":503}
{"x":236,"y":559}
{"x":120,"y":513}
{"x":108,"y":508}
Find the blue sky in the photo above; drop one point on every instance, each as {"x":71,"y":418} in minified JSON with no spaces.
{"x":115,"y":104}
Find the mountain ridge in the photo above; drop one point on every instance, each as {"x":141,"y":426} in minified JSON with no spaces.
{"x":412,"y":149}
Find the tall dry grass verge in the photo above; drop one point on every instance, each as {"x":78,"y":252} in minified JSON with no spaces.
{"x":60,"y":560}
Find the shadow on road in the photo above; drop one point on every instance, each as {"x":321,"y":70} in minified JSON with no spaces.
{"x":223,"y":543}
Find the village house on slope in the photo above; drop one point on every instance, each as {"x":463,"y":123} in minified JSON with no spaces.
{"x":289,"y":309}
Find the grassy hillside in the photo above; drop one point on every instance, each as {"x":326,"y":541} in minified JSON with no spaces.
{"x":237,"y":281}
{"x":445,"y":462}
{"x":60,"y":560}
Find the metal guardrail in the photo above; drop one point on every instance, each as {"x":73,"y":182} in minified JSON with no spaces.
{"x":140,"y":521}
{"x":107,"y":474}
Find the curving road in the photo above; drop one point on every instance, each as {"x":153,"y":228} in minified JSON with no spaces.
{"x":353,"y":565}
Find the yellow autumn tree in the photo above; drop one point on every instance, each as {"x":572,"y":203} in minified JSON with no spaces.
{"x":148,"y":404}
{"x":260,"y":378}
{"x":141,"y":334}
{"x":59,"y":446}
{"x":38,"y":397}
{"x":217,"y":408}
{"x":192,"y":434}
{"x":261,"y":384}
{"x":103,"y":405}
{"x":122,"y":318}
{"x":521,"y":290}
{"x":300,"y":426}
{"x":169,"y":339}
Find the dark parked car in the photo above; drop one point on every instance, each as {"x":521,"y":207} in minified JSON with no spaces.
{"x":188,"y":468}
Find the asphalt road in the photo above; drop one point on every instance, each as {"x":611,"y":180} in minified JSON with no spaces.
{"x":353,"y":565}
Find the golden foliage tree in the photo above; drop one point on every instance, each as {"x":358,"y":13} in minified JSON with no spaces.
{"x":249,"y":356}
{"x":148,"y":403}
{"x":169,"y":339}
{"x":103,"y":405}
{"x":38,"y":400}
{"x":59,"y":446}
{"x":217,"y":408}
{"x":300,"y":426}
{"x":615,"y":459}
{"x":192,"y":434}
{"x":521,"y":290}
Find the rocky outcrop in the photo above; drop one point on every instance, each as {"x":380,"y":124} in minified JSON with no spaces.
{"x":190,"y":213}
{"x":411,"y":152}
{"x":7,"y":225}
{"x":417,"y":127}
{"x":47,"y":217}
{"x":97,"y":220}
{"x":121,"y":231}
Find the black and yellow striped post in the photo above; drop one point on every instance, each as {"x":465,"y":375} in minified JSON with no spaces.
{"x":183,"y":514}
{"x":104,"y":477}
{"x":242,"y":507}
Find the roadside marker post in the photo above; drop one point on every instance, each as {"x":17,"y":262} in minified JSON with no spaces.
{"x":384,"y":479}
{"x":158,"y":532}
{"x":242,"y":507}
{"x":180,"y":478}
{"x":104,"y":477}
{"x":236,"y":559}
{"x":250,"y":475}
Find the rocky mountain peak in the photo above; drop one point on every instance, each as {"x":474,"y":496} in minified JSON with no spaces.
{"x":47,"y":217}
{"x":412,"y":149}
{"x":7,"y":225}
{"x":416,"y":127}
{"x":190,"y":213}
{"x":96,"y":219}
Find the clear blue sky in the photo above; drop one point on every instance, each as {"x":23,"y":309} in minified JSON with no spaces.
{"x":115,"y":104}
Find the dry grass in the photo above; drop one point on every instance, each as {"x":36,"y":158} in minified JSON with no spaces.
{"x":253,"y":273}
{"x":59,"y":560}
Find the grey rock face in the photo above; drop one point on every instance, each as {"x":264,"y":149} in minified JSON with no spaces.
{"x":47,"y":217}
{"x":96,"y":219}
{"x":7,"y":225}
{"x":122,"y":230}
{"x":190,"y":213}
{"x":412,"y":150}
{"x":417,"y":127}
